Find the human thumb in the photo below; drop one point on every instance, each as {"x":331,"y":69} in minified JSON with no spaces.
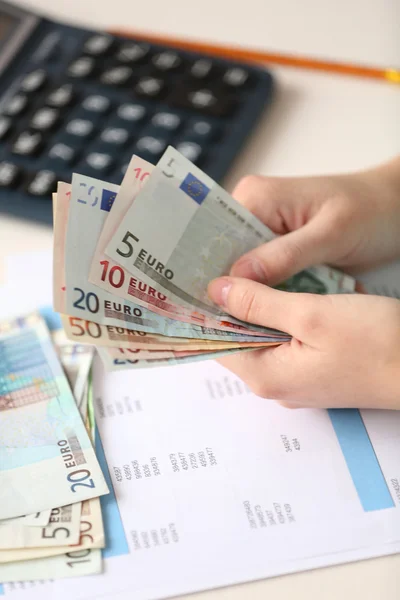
{"x":284,"y":256}
{"x":259,"y":304}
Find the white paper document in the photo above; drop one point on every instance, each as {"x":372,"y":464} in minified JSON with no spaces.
{"x":212,"y":485}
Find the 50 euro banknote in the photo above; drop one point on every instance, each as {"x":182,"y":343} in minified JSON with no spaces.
{"x":91,"y":332}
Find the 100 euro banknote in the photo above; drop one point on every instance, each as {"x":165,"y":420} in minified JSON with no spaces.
{"x":76,"y":563}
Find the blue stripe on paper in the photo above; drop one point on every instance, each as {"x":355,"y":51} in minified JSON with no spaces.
{"x":361,"y":459}
{"x":116,"y":542}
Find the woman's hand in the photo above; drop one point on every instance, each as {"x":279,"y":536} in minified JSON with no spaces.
{"x":349,"y":221}
{"x":345,"y":350}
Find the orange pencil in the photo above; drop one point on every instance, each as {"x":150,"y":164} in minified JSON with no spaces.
{"x":260,"y":56}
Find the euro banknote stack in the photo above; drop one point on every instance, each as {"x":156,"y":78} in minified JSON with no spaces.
{"x":132,"y":264}
{"x":50,"y":514}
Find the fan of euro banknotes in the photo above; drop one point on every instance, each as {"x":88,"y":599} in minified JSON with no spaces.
{"x":131,"y":267}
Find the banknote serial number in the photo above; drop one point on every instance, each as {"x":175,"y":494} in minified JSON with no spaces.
{"x":78,"y":477}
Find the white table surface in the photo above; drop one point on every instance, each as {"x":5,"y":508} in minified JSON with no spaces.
{"x":319,"y":124}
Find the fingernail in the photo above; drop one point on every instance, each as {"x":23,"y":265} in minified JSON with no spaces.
{"x":218,"y":290}
{"x":250,"y":268}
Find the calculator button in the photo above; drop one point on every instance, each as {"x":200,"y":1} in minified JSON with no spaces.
{"x":200,"y":129}
{"x":98,"y":45}
{"x":34,"y":81}
{"x":116,"y":75}
{"x":82,"y":67}
{"x":236,"y":77}
{"x":5,"y":127}
{"x":45,"y":119}
{"x":166,"y":120}
{"x":131,"y":112}
{"x":43,"y":183}
{"x":115,"y":135}
{"x":201,"y":69}
{"x":16,"y":105}
{"x":27,"y":143}
{"x":62,"y":154}
{"x":96,"y":103}
{"x":10,"y":174}
{"x":203,"y":100}
{"x":190,"y":150}
{"x":98,"y":161}
{"x":132,"y":53}
{"x":61,"y":97}
{"x":150,"y":145}
{"x":167,"y":61}
{"x":80,"y":127}
{"x":150,"y":87}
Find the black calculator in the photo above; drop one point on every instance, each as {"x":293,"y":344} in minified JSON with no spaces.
{"x":74,"y":100}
